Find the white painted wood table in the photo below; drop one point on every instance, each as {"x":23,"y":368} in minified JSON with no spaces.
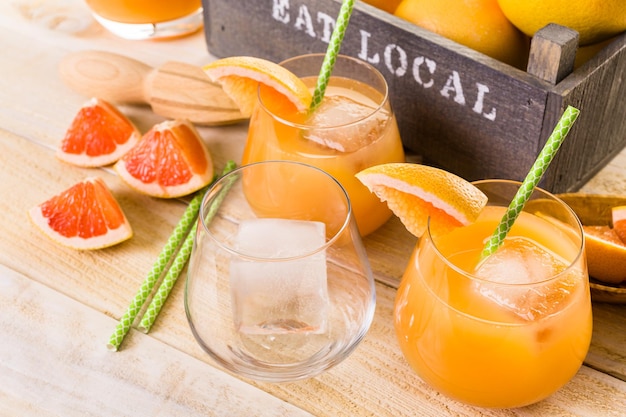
{"x":58,"y":306}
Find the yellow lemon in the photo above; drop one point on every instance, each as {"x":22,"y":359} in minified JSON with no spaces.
{"x":594,"y":20}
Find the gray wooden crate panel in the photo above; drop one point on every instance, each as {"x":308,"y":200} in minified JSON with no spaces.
{"x":445,"y":113}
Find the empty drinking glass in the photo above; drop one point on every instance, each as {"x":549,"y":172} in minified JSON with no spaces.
{"x":279,"y":287}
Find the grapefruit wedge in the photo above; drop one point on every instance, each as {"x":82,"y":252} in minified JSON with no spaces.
{"x":417,"y":192}
{"x":99,"y":135}
{"x":606,"y":254}
{"x":86,"y":216}
{"x":170,"y":160}
{"x":241,"y":77}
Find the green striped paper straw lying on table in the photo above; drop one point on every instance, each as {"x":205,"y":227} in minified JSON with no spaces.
{"x":172,"y":259}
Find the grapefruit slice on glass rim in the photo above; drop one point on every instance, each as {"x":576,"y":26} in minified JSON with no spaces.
{"x":86,"y":216}
{"x":170,"y":160}
{"x":99,"y":135}
{"x":242,"y":76}
{"x":416,"y":192}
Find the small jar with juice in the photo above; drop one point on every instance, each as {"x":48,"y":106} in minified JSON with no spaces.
{"x":148,"y":19}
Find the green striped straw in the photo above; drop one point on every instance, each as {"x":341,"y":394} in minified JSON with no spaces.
{"x":166,"y":286}
{"x":332,"y":51}
{"x":173,"y":273}
{"x":178,"y":264}
{"x":160,"y":265}
{"x":532,"y":179}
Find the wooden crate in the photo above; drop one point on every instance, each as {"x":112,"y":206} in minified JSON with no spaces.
{"x":456,"y":107}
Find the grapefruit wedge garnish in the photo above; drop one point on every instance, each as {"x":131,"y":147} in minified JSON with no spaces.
{"x":85,"y":216}
{"x":99,"y":135}
{"x":417,"y":192}
{"x":241,"y":77}
{"x":170,"y":160}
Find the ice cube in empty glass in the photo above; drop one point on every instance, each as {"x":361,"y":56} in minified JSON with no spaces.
{"x":274,"y":289}
{"x":278,"y":287}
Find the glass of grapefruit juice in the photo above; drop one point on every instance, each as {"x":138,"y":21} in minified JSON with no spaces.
{"x":510,"y":331}
{"x":352,"y":129}
{"x":148,"y":19}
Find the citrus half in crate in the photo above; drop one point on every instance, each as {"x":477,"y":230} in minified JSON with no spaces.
{"x":594,"y":20}
{"x":606,"y":254}
{"x":170,"y":160}
{"x":416,"y":192}
{"x":85,"y":216}
{"x":99,"y":135}
{"x":477,"y":24}
{"x":606,"y":248}
{"x":242,"y":76}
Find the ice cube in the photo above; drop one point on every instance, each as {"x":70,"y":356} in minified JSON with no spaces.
{"x":338,"y":111}
{"x":276,"y":296}
{"x":522,"y":261}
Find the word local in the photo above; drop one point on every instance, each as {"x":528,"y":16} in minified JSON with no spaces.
{"x":395,"y":59}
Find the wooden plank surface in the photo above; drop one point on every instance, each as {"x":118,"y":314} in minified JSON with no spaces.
{"x":106,"y":280}
{"x":31,"y":29}
{"x":54,"y":363}
{"x":610,"y":180}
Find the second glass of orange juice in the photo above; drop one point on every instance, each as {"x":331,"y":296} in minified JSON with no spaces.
{"x":148,"y":19}
{"x":353,"y":128}
{"x":507,"y":331}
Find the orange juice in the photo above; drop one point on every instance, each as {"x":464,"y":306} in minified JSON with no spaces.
{"x":334,"y":139}
{"x":143,"y":11}
{"x":502,"y":340}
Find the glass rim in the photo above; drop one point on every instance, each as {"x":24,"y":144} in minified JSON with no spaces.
{"x":216,"y":187}
{"x":570,"y":265}
{"x":304,"y":126}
